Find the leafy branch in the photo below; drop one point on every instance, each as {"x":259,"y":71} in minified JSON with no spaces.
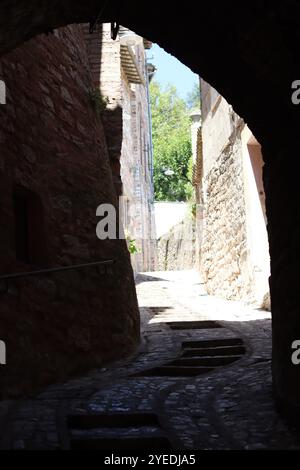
{"x":98,"y":102}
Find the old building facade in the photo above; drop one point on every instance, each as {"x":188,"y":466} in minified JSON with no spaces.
{"x":60,"y":153}
{"x":234,"y":251}
{"x":121,"y":73}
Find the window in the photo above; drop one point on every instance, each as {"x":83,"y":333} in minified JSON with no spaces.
{"x":30,"y":238}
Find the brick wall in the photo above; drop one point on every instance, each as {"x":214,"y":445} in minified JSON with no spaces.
{"x":104,"y":59}
{"x":53,"y":148}
{"x":126,"y":124}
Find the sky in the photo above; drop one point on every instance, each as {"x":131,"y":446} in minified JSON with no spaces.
{"x":170,"y":70}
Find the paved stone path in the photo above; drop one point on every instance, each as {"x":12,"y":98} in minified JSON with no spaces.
{"x":230,"y":407}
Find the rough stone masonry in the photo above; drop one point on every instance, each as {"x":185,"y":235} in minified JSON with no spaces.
{"x":54,"y":165}
{"x":224,"y":251}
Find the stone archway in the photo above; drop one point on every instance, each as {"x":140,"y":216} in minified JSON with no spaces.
{"x":249,"y":53}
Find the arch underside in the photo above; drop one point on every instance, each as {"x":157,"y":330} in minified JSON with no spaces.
{"x":248,"y":52}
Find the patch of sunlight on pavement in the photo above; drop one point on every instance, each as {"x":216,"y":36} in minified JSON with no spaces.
{"x":186,"y":289}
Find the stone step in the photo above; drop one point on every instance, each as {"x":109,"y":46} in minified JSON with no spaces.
{"x":217,"y":351}
{"x":193,"y":325}
{"x":150,"y":443}
{"x":117,"y":432}
{"x":111,"y":420}
{"x":208,"y":361}
{"x":212,"y":343}
{"x":161,"y":310}
{"x":174,"y":371}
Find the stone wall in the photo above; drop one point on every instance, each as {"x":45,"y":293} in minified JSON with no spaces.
{"x":54,"y":160}
{"x":224,"y":262}
{"x":177,"y":248}
{"x":234,"y":252}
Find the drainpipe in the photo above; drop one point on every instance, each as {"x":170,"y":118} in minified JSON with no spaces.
{"x":153,"y":247}
{"x":150,"y":74}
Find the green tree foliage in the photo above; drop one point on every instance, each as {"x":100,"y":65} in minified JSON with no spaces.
{"x":171,"y":144}
{"x":193,"y":98}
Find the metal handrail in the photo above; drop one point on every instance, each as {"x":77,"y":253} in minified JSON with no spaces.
{"x":54,"y":270}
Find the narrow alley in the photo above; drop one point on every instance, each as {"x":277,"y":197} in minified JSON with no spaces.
{"x":201,"y":379}
{"x":149,"y":226}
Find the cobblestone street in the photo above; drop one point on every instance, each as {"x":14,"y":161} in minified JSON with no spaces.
{"x":205,"y":384}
